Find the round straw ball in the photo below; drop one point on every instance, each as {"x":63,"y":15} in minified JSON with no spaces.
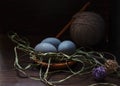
{"x":87,"y":28}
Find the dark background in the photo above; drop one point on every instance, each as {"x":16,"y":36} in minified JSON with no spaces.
{"x":115,"y":27}
{"x":37,"y":19}
{"x":43,"y":18}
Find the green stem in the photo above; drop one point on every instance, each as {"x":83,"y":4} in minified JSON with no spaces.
{"x":47,"y":70}
{"x":75,"y":73}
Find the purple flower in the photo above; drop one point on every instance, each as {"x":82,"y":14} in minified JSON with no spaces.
{"x":99,"y":73}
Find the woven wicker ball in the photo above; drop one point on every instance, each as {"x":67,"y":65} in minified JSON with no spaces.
{"x":87,"y":28}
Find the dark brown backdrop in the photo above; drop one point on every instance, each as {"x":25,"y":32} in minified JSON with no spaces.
{"x":38,"y":19}
{"x":43,"y":16}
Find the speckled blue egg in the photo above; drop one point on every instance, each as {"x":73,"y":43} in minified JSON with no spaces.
{"x":67,"y":47}
{"x":45,"y":47}
{"x":52,"y":40}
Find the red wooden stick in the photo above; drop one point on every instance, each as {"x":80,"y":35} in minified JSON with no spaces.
{"x":70,"y":22}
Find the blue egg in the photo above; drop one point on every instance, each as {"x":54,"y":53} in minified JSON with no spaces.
{"x":45,"y":47}
{"x":52,"y":40}
{"x":67,"y":47}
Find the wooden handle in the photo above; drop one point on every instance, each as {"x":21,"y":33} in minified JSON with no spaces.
{"x":70,"y":22}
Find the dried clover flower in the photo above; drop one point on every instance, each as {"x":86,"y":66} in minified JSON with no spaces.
{"x":111,"y":65}
{"x":99,"y":73}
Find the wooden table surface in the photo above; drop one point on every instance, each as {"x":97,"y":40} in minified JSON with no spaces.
{"x":8,"y":75}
